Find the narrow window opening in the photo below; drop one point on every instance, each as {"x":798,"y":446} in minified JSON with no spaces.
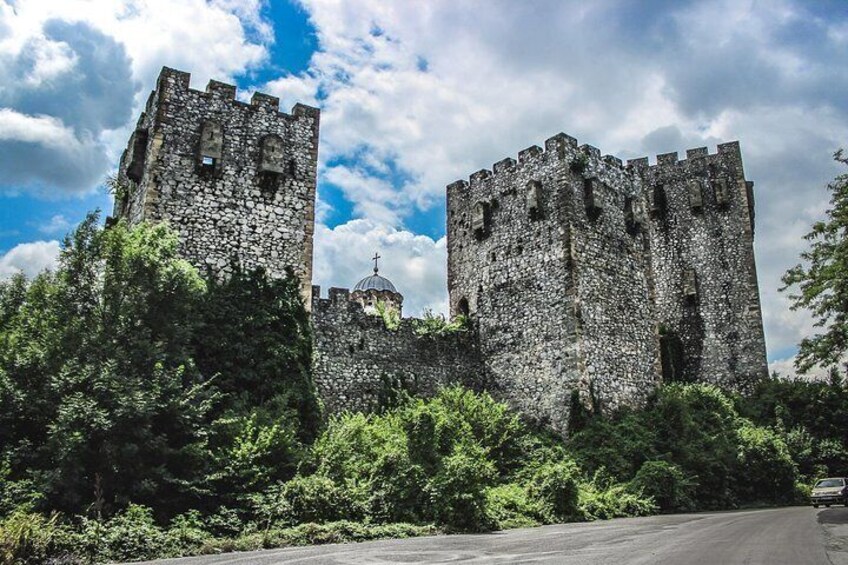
{"x":462,"y":307}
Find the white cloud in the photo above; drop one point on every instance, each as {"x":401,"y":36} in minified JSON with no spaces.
{"x":416,"y":264}
{"x":29,"y":258}
{"x":786,"y":368}
{"x":44,"y":130}
{"x":56,"y":224}
{"x":419,"y":86}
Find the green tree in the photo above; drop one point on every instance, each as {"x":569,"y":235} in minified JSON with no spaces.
{"x":821,"y":281}
{"x":125,"y":377}
{"x":98,"y":392}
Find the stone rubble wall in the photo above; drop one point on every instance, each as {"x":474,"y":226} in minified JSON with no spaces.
{"x":574,"y":279}
{"x":234,"y":213}
{"x":357,"y":360}
{"x":720,"y":326}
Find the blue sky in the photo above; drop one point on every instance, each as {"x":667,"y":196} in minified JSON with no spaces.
{"x":417,"y":94}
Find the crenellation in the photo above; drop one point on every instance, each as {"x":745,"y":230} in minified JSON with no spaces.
{"x":731,"y":148}
{"x":503,"y":165}
{"x":479,"y":176}
{"x":612,"y":161}
{"x":590,"y":151}
{"x":667,"y":159}
{"x":174,"y":79}
{"x":458,"y":186}
{"x":266,"y":101}
{"x":697,"y":153}
{"x":221,"y":90}
{"x":638,"y":163}
{"x":530,"y":153}
{"x":560,"y":141}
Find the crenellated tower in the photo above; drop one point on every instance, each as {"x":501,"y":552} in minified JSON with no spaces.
{"x":236,"y":180}
{"x":590,"y":280}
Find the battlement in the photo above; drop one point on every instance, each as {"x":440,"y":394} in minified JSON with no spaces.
{"x":175,"y":80}
{"x":560,"y":147}
{"x":730,"y":149}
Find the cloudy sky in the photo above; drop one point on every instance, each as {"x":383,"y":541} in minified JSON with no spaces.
{"x":416,"y":94}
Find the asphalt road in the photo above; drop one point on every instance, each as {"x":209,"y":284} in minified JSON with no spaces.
{"x":783,"y":536}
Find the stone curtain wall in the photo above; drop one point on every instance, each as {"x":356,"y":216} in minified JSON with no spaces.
{"x":254,"y":204}
{"x":701,"y":241}
{"x":357,"y":360}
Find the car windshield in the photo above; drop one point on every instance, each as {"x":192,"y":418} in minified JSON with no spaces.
{"x":829,"y":483}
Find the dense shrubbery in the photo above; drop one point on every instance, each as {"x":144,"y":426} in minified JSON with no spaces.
{"x":147,"y":412}
{"x":696,"y":447}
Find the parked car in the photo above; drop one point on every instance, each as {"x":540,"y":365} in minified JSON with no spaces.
{"x":829,"y":491}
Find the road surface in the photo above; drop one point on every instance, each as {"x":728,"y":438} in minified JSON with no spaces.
{"x":782,"y":536}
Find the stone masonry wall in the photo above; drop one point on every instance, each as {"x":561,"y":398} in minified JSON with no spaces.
{"x":507,"y":255}
{"x":555,"y":284}
{"x":705,"y":275}
{"x":610,"y":262}
{"x":357,"y":359}
{"x":230,"y":211}
{"x":580,"y":276}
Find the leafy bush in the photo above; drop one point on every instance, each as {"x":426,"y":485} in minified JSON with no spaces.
{"x":615,"y":501}
{"x":436,"y":325}
{"x":316,"y":498}
{"x":554,"y":487}
{"x":125,"y":373}
{"x":766,"y":471}
{"x":26,"y":537}
{"x":666,"y":484}
{"x":458,"y":491}
{"x":509,"y":506}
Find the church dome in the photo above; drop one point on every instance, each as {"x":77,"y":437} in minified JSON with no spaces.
{"x":375,"y":282}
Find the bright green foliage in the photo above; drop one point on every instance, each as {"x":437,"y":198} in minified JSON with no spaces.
{"x":810,"y":417}
{"x":554,"y":487}
{"x":98,"y":386}
{"x":124,"y":377}
{"x":316,"y":498}
{"x":435,"y":325}
{"x":765,"y":469}
{"x":612,"y":501}
{"x":666,"y":484}
{"x":26,"y":537}
{"x":697,"y":429}
{"x":457,"y":491}
{"x":821,"y":281}
{"x":390,"y":316}
{"x":510,"y":506}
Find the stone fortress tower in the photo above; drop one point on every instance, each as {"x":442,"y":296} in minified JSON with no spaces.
{"x":587,"y":277}
{"x":236,"y":180}
{"x":584,"y":279}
